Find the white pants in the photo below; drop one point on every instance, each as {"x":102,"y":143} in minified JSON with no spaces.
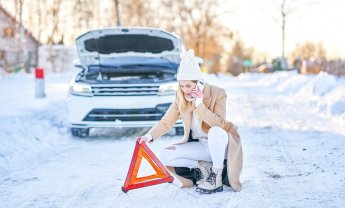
{"x":213,"y":149}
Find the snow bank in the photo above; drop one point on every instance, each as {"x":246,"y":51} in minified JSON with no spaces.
{"x":271,"y":79}
{"x":323,"y":92}
{"x":293,"y":84}
{"x":319,"y":85}
{"x":32,"y":127}
{"x":333,"y":102}
{"x":326,"y":94}
{"x":33,"y":134}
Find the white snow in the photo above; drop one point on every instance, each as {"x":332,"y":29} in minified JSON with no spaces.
{"x":292,"y":127}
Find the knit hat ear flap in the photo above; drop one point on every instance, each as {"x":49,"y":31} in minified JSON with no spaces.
{"x":189,"y":67}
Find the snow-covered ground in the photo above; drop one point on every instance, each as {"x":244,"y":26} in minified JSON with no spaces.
{"x":292,"y":127}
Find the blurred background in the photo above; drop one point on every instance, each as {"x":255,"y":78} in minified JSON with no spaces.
{"x":233,"y":36}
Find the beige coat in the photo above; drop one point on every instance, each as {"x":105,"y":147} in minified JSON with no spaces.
{"x":212,"y":112}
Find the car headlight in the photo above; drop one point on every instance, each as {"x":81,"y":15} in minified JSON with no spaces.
{"x":80,"y":89}
{"x":168,"y":89}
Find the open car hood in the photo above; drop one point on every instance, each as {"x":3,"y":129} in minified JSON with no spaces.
{"x":96,"y":46}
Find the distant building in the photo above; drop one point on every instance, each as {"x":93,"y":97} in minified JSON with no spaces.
{"x":16,"y":52}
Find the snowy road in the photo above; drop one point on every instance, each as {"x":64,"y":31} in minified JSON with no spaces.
{"x":293,"y":154}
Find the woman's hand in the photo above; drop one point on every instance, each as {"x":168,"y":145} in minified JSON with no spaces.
{"x":146,"y":138}
{"x":197,"y":93}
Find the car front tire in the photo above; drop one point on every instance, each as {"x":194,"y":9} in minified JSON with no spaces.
{"x":179,"y":131}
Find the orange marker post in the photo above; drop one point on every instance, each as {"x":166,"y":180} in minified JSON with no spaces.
{"x":39,"y":83}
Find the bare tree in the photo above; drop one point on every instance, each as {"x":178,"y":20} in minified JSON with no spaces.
{"x":53,"y":16}
{"x":198,"y":22}
{"x":83,"y":13}
{"x":309,"y":50}
{"x":200,"y":25}
{"x":19,"y":25}
{"x":117,"y":12}
{"x":36,"y":24}
{"x":137,"y":13}
{"x":285,"y":9}
{"x":283,"y":13}
{"x":282,"y":10}
{"x":237,"y":55}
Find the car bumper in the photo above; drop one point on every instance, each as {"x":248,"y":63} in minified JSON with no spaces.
{"x":102,"y":111}
{"x":121,"y":124}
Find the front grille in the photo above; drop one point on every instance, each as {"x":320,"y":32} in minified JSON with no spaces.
{"x":125,"y":90}
{"x":145,"y":114}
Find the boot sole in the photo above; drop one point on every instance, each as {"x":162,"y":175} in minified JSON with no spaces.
{"x":197,"y":184}
{"x":205,"y":191}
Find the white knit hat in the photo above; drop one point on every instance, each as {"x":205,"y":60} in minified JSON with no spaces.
{"x":189,"y":67}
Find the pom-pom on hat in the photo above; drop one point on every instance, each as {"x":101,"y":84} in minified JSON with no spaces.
{"x":189,"y":67}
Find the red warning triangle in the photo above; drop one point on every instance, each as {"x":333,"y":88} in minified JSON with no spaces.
{"x":134,"y":182}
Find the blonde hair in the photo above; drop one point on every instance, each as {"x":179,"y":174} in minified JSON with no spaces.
{"x":182,"y":102}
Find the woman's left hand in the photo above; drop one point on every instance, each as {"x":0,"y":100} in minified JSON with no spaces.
{"x":196,"y":93}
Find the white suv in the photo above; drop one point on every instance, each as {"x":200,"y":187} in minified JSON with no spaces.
{"x":126,"y":78}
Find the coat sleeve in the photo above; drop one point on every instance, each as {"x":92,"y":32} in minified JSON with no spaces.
{"x":166,"y":122}
{"x":217,"y":117}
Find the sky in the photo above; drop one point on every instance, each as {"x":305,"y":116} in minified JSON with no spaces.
{"x":319,"y":21}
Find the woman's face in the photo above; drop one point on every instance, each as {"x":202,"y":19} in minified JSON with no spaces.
{"x":187,"y":86}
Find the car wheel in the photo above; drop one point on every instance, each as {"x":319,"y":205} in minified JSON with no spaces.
{"x":80,"y":132}
{"x":179,"y":131}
